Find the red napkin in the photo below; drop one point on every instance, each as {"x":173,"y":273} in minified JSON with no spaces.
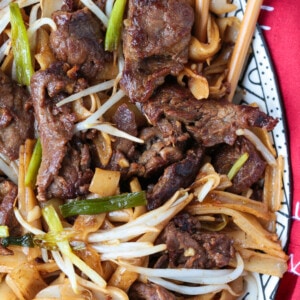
{"x":280,"y":23}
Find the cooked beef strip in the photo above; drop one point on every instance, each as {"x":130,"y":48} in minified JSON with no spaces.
{"x":16,"y":117}
{"x":210,"y":122}
{"x":8,"y":194}
{"x":75,"y":174}
{"x":225,"y":156}
{"x":55,"y":124}
{"x":178,"y":175}
{"x":188,"y":247}
{"x":156,"y":38}
{"x":149,"y":291}
{"x":125,"y":120}
{"x":78,"y":41}
{"x":158,"y":153}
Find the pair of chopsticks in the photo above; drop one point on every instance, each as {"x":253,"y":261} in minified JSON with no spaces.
{"x":243,"y":40}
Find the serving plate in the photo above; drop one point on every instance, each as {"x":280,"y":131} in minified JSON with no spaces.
{"x":258,"y":84}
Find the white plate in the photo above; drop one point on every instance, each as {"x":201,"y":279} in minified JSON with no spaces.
{"x":259,"y":85}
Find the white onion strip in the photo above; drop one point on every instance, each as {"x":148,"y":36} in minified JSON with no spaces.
{"x":268,"y":156}
{"x":96,"y":10}
{"x":91,"y":90}
{"x":34,"y":13}
{"x":190,"y":290}
{"x":4,"y":3}
{"x":119,"y":233}
{"x":25,"y":224}
{"x":8,"y":171}
{"x":5,"y":14}
{"x":133,"y":253}
{"x":108,"y":7}
{"x":39,"y":23}
{"x":4,"y":49}
{"x":98,"y":113}
{"x":117,"y":247}
{"x":107,"y":128}
{"x":197,"y":276}
{"x":67,"y":267}
{"x":205,"y":189}
{"x":106,"y":106}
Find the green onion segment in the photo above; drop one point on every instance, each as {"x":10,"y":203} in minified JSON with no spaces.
{"x":25,"y":240}
{"x":34,"y":164}
{"x":105,"y":204}
{"x":20,"y":45}
{"x":113,"y":32}
{"x":237,"y":165}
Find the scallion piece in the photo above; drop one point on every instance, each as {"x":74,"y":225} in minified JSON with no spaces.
{"x":25,"y":240}
{"x":237,"y":165}
{"x":20,"y":45}
{"x":51,"y":239}
{"x":113,"y":32}
{"x":105,"y":204}
{"x":34,"y":165}
{"x":52,"y":219}
{"x":56,"y":228}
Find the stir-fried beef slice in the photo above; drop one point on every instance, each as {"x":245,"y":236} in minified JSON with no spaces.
{"x":149,"y":291}
{"x":146,"y":160}
{"x":123,"y":149}
{"x":8,"y":194}
{"x":210,"y":122}
{"x":55,"y":124}
{"x":188,"y":247}
{"x":173,"y":132}
{"x":157,"y":152}
{"x":178,"y":175}
{"x":16,"y":117}
{"x":125,"y":120}
{"x":225,"y":156}
{"x":78,"y":41}
{"x":75,"y":174}
{"x":156,"y":38}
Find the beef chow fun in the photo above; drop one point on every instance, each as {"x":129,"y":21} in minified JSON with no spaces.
{"x":126,"y":170}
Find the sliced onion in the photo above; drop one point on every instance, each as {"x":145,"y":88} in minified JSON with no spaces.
{"x":107,"y":128}
{"x":119,"y":233}
{"x":96,"y":10}
{"x":196,"y":276}
{"x":190,"y":290}
{"x":91,"y":90}
{"x":268,"y":156}
{"x":133,"y":253}
{"x":8,"y":171}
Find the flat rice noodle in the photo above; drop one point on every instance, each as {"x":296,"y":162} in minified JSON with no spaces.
{"x":266,"y":241}
{"x":262,"y":263}
{"x":25,"y":281}
{"x":273,"y":191}
{"x":242,"y":239}
{"x":264,"y":136}
{"x":9,"y":262}
{"x":240,"y":203}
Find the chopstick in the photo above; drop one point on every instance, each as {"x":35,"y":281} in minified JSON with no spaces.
{"x":242,"y":44}
{"x":201,"y":18}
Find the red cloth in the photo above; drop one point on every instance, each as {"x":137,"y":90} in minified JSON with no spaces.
{"x":280,"y":22}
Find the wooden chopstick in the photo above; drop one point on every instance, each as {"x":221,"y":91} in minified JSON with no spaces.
{"x":242,"y":44}
{"x":201,"y":18}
